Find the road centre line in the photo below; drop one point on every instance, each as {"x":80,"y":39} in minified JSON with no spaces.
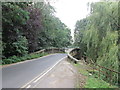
{"x":48,"y":70}
{"x":28,"y":86}
{"x":51,"y":69}
{"x":43,"y":74}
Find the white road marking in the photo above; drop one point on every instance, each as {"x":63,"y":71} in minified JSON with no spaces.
{"x":33,"y":79}
{"x":48,"y":70}
{"x":8,"y":65}
{"x":43,"y":74}
{"x":28,"y":86}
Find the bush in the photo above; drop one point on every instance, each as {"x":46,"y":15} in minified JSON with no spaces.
{"x":6,"y":61}
{"x":15,"y":59}
{"x":21,"y":46}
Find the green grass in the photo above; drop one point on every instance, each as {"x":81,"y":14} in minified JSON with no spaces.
{"x":82,"y":70}
{"x":96,"y":83}
{"x":15,"y":59}
{"x":91,"y":81}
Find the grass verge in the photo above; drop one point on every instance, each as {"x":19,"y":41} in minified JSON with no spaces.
{"x":15,"y":59}
{"x":92,"y":81}
{"x":96,"y":83}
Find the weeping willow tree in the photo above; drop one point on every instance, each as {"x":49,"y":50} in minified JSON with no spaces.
{"x":97,"y":36}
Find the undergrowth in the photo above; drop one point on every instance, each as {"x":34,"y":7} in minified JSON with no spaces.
{"x":92,"y":81}
{"x":15,"y":59}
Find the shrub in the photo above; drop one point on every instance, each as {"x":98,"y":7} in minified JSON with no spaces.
{"x":21,"y":46}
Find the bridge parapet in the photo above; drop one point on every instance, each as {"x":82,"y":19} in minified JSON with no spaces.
{"x":74,"y":55}
{"x":51,"y":50}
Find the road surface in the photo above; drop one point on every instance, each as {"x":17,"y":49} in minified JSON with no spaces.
{"x":16,"y":76}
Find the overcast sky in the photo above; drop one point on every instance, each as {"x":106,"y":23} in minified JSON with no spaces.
{"x":69,"y":11}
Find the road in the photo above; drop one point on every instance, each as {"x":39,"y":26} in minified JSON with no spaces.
{"x":16,"y":76}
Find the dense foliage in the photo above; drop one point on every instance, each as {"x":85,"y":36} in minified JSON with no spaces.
{"x":28,"y":27}
{"x":55,"y":33}
{"x":97,"y":36}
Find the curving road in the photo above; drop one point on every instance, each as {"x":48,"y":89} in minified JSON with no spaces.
{"x":16,"y":76}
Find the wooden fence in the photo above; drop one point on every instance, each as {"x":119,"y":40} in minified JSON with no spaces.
{"x":107,"y":74}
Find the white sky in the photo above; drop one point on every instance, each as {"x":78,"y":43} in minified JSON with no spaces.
{"x":69,"y":11}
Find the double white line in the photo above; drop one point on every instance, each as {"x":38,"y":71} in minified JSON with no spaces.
{"x":41,"y":75}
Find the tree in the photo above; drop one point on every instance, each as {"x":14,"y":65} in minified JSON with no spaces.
{"x":98,"y":34}
{"x":28,"y":27}
{"x":13,"y":18}
{"x":33,"y":28}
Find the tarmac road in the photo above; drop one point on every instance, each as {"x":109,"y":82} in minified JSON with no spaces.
{"x":16,"y":76}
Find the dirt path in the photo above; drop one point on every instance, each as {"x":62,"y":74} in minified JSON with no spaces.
{"x":62,"y":76}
